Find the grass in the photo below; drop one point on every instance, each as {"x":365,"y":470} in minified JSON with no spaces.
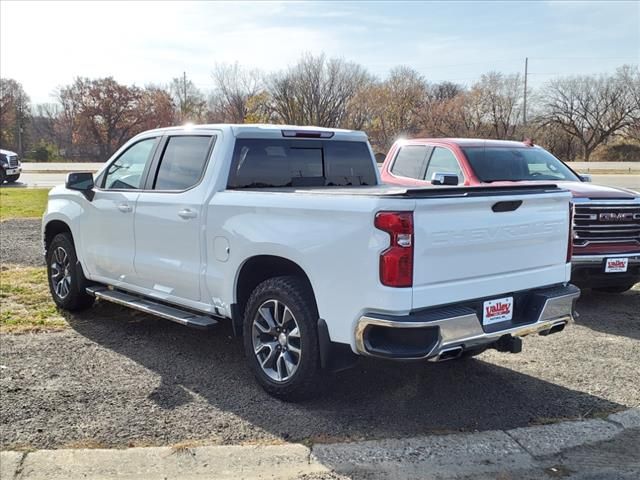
{"x":22,"y":202}
{"x":26,"y":301}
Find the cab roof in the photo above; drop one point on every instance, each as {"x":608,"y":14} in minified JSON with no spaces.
{"x":473,"y":142}
{"x":266,"y":130}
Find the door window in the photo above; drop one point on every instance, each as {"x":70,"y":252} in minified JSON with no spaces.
{"x":183,"y":162}
{"x":410,"y":161}
{"x":127,"y":171}
{"x":443,"y":161}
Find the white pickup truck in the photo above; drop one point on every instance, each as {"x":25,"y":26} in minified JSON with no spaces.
{"x":286,"y":232}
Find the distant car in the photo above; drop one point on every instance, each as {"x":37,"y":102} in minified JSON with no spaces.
{"x":606,"y":220}
{"x":10,"y":166}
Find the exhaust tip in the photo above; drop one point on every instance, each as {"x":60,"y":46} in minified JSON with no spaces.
{"x":450,"y":354}
{"x":555,"y":328}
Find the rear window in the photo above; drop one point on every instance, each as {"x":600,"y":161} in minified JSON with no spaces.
{"x":266,"y":163}
{"x":516,"y":164}
{"x":182,"y":163}
{"x":410,"y":161}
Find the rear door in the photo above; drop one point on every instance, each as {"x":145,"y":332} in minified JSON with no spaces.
{"x":481,"y":244}
{"x":169,"y":218}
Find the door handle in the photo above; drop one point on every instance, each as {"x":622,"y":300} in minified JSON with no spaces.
{"x":187,"y":213}
{"x":124,"y":207}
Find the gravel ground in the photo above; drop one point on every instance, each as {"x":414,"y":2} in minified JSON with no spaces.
{"x":20,"y":242}
{"x":118,"y":378}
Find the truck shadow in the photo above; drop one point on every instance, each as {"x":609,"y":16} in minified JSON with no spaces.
{"x":373,"y":400}
{"x":614,"y":314}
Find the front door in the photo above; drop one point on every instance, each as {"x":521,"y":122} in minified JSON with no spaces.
{"x":107,"y":230}
{"x":169,"y":220}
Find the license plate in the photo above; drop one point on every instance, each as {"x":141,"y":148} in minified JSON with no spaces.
{"x":616,"y":265}
{"x":12,"y":171}
{"x":498,"y":310}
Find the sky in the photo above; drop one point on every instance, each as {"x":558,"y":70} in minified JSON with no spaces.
{"x":45,"y":45}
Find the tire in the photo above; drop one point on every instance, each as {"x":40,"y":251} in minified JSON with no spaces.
{"x":66,"y":280}
{"x":282,"y":348}
{"x":616,"y":289}
{"x":3,"y":176}
{"x":12,"y":178}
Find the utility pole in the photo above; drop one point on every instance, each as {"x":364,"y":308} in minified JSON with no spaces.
{"x":184,"y":92}
{"x":524,"y":106}
{"x":19,"y":132}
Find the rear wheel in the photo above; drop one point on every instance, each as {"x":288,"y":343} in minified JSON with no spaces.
{"x":66,"y":281}
{"x":281,"y":338}
{"x":616,"y":289}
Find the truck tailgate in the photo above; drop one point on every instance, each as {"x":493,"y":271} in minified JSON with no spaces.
{"x":489,"y":243}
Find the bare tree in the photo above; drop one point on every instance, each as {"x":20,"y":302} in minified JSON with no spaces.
{"x":238,"y":92}
{"x":460,"y":116}
{"x":189,"y":100}
{"x":501,"y":99}
{"x":316,"y":91}
{"x":591,"y":109}
{"x":445,"y":91}
{"x":630,"y":76}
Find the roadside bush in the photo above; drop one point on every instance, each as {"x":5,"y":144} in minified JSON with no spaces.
{"x":620,"y":151}
{"x":44,"y":152}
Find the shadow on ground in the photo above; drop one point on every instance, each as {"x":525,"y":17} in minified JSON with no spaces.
{"x":615,"y":314}
{"x":375,"y":399}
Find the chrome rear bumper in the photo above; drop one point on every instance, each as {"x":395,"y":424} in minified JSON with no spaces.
{"x":439,"y":331}
{"x":634,"y":258}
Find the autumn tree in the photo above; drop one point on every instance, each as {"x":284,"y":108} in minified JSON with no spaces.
{"x":104,"y":113}
{"x":316,"y":91}
{"x":399,"y":101}
{"x":590,"y":108}
{"x":14,"y":115}
{"x":156,"y":108}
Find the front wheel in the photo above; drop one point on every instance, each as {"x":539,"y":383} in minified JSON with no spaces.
{"x":12,"y":178}
{"x":66,"y":281}
{"x":281,"y":338}
{"x":616,"y":289}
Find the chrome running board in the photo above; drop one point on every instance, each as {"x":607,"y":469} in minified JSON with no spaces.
{"x":175,"y":314}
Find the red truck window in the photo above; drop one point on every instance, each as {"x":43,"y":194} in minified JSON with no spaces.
{"x":411,"y":161}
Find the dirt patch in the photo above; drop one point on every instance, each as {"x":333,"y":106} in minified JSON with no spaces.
{"x":20,"y":242}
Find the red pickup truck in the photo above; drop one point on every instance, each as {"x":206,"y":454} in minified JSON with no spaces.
{"x":606,"y":220}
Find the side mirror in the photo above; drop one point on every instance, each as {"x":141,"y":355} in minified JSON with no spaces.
{"x":82,"y":182}
{"x":444,"y":179}
{"x":585,"y":177}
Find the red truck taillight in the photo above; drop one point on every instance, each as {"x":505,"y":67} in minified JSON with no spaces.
{"x":570,"y":246}
{"x":396,"y":262}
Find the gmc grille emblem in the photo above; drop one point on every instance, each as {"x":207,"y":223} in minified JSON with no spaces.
{"x":616,"y":217}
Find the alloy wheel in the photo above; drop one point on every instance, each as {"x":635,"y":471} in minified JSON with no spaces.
{"x":276,"y":340}
{"x":60,"y":273}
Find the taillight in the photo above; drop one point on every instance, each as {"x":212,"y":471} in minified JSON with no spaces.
{"x":570,"y":245}
{"x":396,"y":262}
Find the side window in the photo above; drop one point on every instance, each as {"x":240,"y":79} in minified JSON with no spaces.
{"x":443,"y":161}
{"x":183,"y":162}
{"x":410,"y":161}
{"x":126,"y":172}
